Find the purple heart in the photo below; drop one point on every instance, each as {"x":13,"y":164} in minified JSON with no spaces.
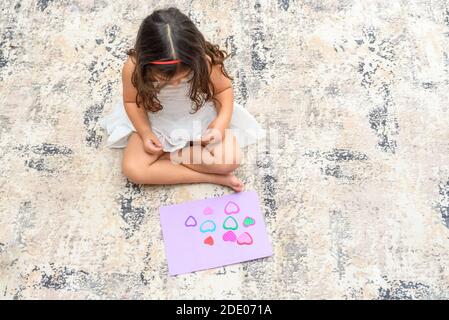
{"x":190,"y":222}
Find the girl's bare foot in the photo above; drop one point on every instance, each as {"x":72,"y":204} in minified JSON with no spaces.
{"x":231,"y":181}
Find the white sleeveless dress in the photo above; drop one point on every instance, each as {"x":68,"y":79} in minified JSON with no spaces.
{"x":174,"y":126}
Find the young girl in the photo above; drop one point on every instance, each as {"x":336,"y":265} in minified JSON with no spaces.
{"x":178,"y":121}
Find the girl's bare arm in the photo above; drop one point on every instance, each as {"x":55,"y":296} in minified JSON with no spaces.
{"x":138,"y":116}
{"x":224,"y":93}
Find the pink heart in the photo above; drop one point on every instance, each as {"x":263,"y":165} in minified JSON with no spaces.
{"x":245,"y":238}
{"x":208,"y":210}
{"x":229,"y":236}
{"x":232,"y":208}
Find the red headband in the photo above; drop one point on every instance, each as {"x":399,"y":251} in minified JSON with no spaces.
{"x":165,"y":62}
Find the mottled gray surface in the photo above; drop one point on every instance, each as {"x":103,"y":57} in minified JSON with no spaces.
{"x":356,"y":197}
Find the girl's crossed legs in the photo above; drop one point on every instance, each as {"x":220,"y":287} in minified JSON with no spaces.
{"x":192,"y":164}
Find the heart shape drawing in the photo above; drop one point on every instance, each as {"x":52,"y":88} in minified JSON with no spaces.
{"x":232,"y":208}
{"x":208,"y":226}
{"x":209,"y":240}
{"x":248,"y":221}
{"x":229,"y":236}
{"x":208,"y":210}
{"x":190,"y":222}
{"x":230,"y":223}
{"x":245,"y":239}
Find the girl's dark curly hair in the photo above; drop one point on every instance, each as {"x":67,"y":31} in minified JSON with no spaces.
{"x":168,"y":34}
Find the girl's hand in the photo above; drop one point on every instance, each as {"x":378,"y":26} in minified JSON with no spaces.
{"x":151,"y":143}
{"x":214,"y":133}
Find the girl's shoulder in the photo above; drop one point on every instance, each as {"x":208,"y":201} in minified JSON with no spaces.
{"x":130,"y":61}
{"x":128,"y":68}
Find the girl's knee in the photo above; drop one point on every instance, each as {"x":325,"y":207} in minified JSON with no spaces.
{"x":226,"y":168}
{"x":237,"y":156}
{"x":132,"y":171}
{"x":232,"y":159}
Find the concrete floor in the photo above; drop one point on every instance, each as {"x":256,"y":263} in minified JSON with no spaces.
{"x":355,"y":193}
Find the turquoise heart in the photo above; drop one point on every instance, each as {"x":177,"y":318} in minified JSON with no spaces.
{"x":207,"y":226}
{"x":248,"y":221}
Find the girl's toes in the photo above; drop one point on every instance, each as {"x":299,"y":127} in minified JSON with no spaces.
{"x":236,"y":183}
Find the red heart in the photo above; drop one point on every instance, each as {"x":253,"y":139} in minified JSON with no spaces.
{"x":209,"y":240}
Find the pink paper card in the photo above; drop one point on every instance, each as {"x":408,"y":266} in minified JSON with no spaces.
{"x":214,"y":232}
